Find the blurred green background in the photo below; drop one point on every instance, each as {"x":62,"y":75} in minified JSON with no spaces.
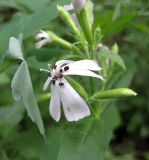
{"x":125,"y":22}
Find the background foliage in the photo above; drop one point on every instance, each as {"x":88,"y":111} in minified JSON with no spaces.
{"x":125,"y":22}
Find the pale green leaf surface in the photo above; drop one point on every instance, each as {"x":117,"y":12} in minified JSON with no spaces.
{"x":22,"y":88}
{"x":15,"y":49}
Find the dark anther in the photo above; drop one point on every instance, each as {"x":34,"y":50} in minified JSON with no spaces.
{"x":55,"y":78}
{"x":60,"y":76}
{"x":19,"y":61}
{"x":49,"y":74}
{"x":54,"y":66}
{"x":66,"y":68}
{"x":61,"y":70}
{"x":53,"y":82}
{"x":61,"y":83}
{"x":42,"y":38}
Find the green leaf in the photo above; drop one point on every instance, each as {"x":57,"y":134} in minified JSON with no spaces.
{"x":3,"y":155}
{"x":46,"y":54}
{"x":114,"y":57}
{"x":86,"y":139}
{"x":10,"y":4}
{"x":109,"y":26}
{"x":22,"y":89}
{"x":117,"y":12}
{"x":22,"y":86}
{"x":4,"y":79}
{"x":78,"y":87}
{"x":123,"y":79}
{"x":38,"y":148}
{"x":9,"y":117}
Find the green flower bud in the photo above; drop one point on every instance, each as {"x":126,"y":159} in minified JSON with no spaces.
{"x":68,"y":20}
{"x":62,"y":42}
{"x":115,"y":93}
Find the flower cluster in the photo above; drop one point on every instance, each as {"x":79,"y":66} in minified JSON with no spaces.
{"x":78,"y":16}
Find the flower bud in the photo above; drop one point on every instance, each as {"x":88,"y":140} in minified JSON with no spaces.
{"x":67,"y":18}
{"x":42,"y":38}
{"x":78,"y":5}
{"x":56,"y":39}
{"x":115,"y":93}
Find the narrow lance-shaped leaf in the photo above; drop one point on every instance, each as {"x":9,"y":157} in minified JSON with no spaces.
{"x":114,"y":57}
{"x":22,"y":86}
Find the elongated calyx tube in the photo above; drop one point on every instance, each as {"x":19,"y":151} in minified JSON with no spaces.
{"x":68,"y":20}
{"x":61,"y":41}
{"x":115,"y":93}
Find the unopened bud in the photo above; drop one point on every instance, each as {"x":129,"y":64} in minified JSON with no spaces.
{"x":58,"y":40}
{"x":67,"y":18}
{"x":42,"y":39}
{"x":78,"y":5}
{"x":115,"y":93}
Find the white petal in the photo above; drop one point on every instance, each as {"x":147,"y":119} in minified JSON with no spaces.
{"x":85,"y":64}
{"x":62,"y":62}
{"x":78,"y":5}
{"x":54,"y":108}
{"x":68,"y":7}
{"x":107,"y":63}
{"x":42,"y":34}
{"x":74,"y":106}
{"x":75,"y":20}
{"x":47,"y":83}
{"x":83,"y":73}
{"x":42,"y":43}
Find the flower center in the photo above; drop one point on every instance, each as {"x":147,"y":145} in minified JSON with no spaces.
{"x":58,"y":75}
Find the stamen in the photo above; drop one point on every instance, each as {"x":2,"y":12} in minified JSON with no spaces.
{"x":42,"y":38}
{"x":49,"y":66}
{"x":61,"y":83}
{"x":66,"y":68}
{"x":61,"y":70}
{"x":53,"y":82}
{"x":55,"y":78}
{"x":54,"y":66}
{"x":61,"y":76}
{"x":45,"y":70}
{"x":49,"y":74}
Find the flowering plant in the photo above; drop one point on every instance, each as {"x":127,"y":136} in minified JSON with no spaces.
{"x":83,"y":77}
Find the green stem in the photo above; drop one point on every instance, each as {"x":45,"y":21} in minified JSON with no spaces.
{"x":91,"y":85}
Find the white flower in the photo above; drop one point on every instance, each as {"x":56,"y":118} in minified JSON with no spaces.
{"x":42,"y":38}
{"x":78,"y":5}
{"x":74,"y":106}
